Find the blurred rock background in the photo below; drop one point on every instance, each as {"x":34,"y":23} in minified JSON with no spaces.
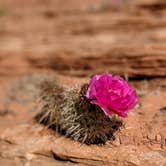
{"x":74,"y":39}
{"x":80,"y":38}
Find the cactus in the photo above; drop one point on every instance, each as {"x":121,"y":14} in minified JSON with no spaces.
{"x":70,"y":113}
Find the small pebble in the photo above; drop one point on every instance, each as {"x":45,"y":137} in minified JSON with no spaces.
{"x":158,"y":138}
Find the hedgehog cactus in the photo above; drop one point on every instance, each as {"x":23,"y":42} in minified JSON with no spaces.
{"x":71,"y":113}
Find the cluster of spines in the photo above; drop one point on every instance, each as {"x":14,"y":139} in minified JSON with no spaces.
{"x":71,"y":114}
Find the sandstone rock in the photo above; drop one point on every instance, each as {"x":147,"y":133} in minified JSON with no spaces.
{"x":77,"y":39}
{"x":33,"y":144}
{"x":101,"y":42}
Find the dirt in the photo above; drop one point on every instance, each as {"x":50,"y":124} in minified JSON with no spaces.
{"x":72,"y":40}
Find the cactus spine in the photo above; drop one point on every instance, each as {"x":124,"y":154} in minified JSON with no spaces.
{"x":70,"y":113}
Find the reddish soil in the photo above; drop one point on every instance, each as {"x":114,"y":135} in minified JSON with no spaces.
{"x":73,"y":40}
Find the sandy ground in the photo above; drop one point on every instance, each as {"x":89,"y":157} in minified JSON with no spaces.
{"x":73,"y":40}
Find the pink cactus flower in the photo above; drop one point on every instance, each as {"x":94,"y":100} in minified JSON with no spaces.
{"x":112,"y":94}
